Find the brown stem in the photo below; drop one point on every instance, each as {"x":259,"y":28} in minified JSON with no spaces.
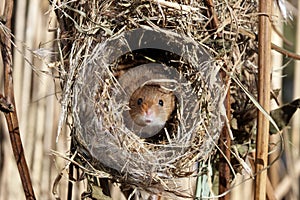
{"x":11,"y":117}
{"x":264,"y":85}
{"x":286,"y":52}
{"x":212,"y":14}
{"x":224,"y":144}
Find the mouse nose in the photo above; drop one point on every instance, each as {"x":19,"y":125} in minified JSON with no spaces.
{"x":145,"y":108}
{"x":149,"y":112}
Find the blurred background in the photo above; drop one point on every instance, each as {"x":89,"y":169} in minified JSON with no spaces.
{"x":38,"y":92}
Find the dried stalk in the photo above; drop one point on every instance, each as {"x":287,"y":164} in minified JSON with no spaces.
{"x":286,"y":52}
{"x":212,"y":13}
{"x":224,"y":144}
{"x":296,"y":121}
{"x":264,"y":84}
{"x":11,"y":117}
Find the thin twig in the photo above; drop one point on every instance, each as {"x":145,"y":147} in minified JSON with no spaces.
{"x":11,"y":117}
{"x":71,"y":172}
{"x":212,"y":14}
{"x":284,"y":39}
{"x":285,"y":52}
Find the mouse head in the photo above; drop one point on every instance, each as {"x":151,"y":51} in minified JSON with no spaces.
{"x":151,"y":105}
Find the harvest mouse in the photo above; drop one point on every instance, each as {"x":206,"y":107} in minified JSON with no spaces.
{"x":151,"y":105}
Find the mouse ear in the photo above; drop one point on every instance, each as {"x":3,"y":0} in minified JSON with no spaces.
{"x":152,"y":85}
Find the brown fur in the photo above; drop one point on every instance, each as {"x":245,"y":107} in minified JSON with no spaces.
{"x":151,"y":95}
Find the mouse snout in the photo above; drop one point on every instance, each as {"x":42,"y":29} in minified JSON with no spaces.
{"x":149,"y":112}
{"x":149,"y":116}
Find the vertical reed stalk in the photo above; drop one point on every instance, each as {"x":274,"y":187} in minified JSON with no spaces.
{"x":11,"y":117}
{"x":296,"y":121}
{"x":225,"y":144}
{"x":264,"y":64}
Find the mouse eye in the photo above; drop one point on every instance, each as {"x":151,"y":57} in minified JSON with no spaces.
{"x":140,"y":101}
{"x":161,"y":103}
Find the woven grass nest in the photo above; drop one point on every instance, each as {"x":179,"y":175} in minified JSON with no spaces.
{"x":111,"y":38}
{"x":99,"y":120}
